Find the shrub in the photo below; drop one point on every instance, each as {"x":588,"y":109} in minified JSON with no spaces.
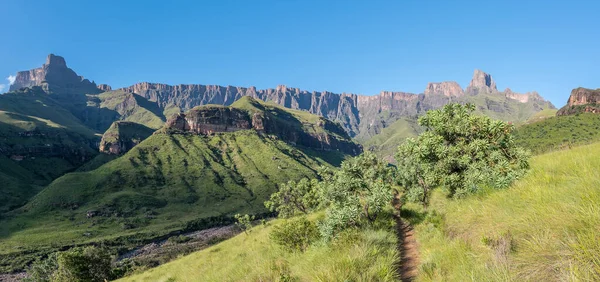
{"x":295,"y":234}
{"x":359,"y":192}
{"x":293,"y":198}
{"x":83,"y":264}
{"x":244,"y":222}
{"x":42,"y":269}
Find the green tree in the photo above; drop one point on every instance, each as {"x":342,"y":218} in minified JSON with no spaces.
{"x":356,"y":193}
{"x":293,"y":198}
{"x":461,"y":151}
{"x":83,"y":264}
{"x":244,"y":222}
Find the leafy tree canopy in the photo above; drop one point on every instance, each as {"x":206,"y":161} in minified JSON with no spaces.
{"x":461,"y":151}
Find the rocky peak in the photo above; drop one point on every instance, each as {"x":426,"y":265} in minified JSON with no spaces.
{"x":446,"y":88}
{"x":55,"y":78}
{"x":482,"y":82}
{"x":104,"y":87}
{"x":582,"y":100}
{"x":55,"y":61}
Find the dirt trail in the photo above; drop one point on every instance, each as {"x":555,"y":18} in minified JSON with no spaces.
{"x":407,"y":247}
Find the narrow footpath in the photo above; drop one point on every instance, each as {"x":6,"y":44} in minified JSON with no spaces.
{"x":407,"y":246}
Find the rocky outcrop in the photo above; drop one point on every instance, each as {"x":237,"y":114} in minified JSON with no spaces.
{"x":122,"y":136}
{"x":104,"y":87}
{"x":447,"y":88}
{"x":582,"y":100}
{"x":55,"y":78}
{"x":523,"y":98}
{"x":481,"y":83}
{"x":269,"y":120}
{"x":213,"y":119}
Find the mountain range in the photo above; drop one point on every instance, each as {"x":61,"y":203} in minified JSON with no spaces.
{"x":91,"y":163}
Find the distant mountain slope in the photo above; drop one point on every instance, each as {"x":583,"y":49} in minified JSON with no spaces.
{"x":203,"y":166}
{"x":496,"y":105}
{"x":559,"y":132}
{"x":362,"y":116}
{"x":386,"y":143}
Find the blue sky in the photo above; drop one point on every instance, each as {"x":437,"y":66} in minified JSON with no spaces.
{"x":340,"y":46}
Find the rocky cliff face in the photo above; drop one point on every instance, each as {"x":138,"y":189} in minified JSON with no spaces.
{"x":55,"y":78}
{"x":581,"y":100}
{"x":122,"y":136}
{"x":447,"y":88}
{"x":523,"y":98}
{"x":362,"y":116}
{"x":269,"y":120}
{"x":481,"y":83}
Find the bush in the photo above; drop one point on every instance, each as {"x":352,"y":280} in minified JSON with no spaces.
{"x":294,"y":197}
{"x":295,"y":234}
{"x":244,"y":222}
{"x":84,"y":264}
{"x":357,"y":193}
{"x":42,"y":270}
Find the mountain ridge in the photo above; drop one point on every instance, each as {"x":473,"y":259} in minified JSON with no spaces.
{"x":362,"y":116}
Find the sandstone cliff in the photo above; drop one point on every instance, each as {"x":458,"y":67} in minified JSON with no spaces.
{"x":447,"y":88}
{"x":298,"y":128}
{"x":55,"y":78}
{"x":581,"y":100}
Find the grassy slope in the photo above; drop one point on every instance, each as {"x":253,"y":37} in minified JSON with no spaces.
{"x":180,"y":177}
{"x":18,"y":184}
{"x":133,"y":108}
{"x":368,"y":255}
{"x":543,"y":228}
{"x":559,"y":132}
{"x":542,"y":115}
{"x":386,"y":143}
{"x":51,"y":140}
{"x":125,"y":131}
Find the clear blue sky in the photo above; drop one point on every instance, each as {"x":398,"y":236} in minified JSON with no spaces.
{"x":341,"y":46}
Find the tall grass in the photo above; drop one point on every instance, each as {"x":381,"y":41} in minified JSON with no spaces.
{"x":357,"y":255}
{"x":546,"y":227}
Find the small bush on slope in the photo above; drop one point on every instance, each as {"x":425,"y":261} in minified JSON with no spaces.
{"x":295,"y":234}
{"x":543,"y":228}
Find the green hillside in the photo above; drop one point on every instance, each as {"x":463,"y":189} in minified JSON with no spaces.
{"x":39,"y":141}
{"x":385,"y":144}
{"x":559,"y":132}
{"x":133,"y":108}
{"x":18,"y":184}
{"x":543,"y":228}
{"x":166,"y":183}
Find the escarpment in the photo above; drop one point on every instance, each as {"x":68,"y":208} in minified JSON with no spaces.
{"x":582,"y":100}
{"x":272,"y":121}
